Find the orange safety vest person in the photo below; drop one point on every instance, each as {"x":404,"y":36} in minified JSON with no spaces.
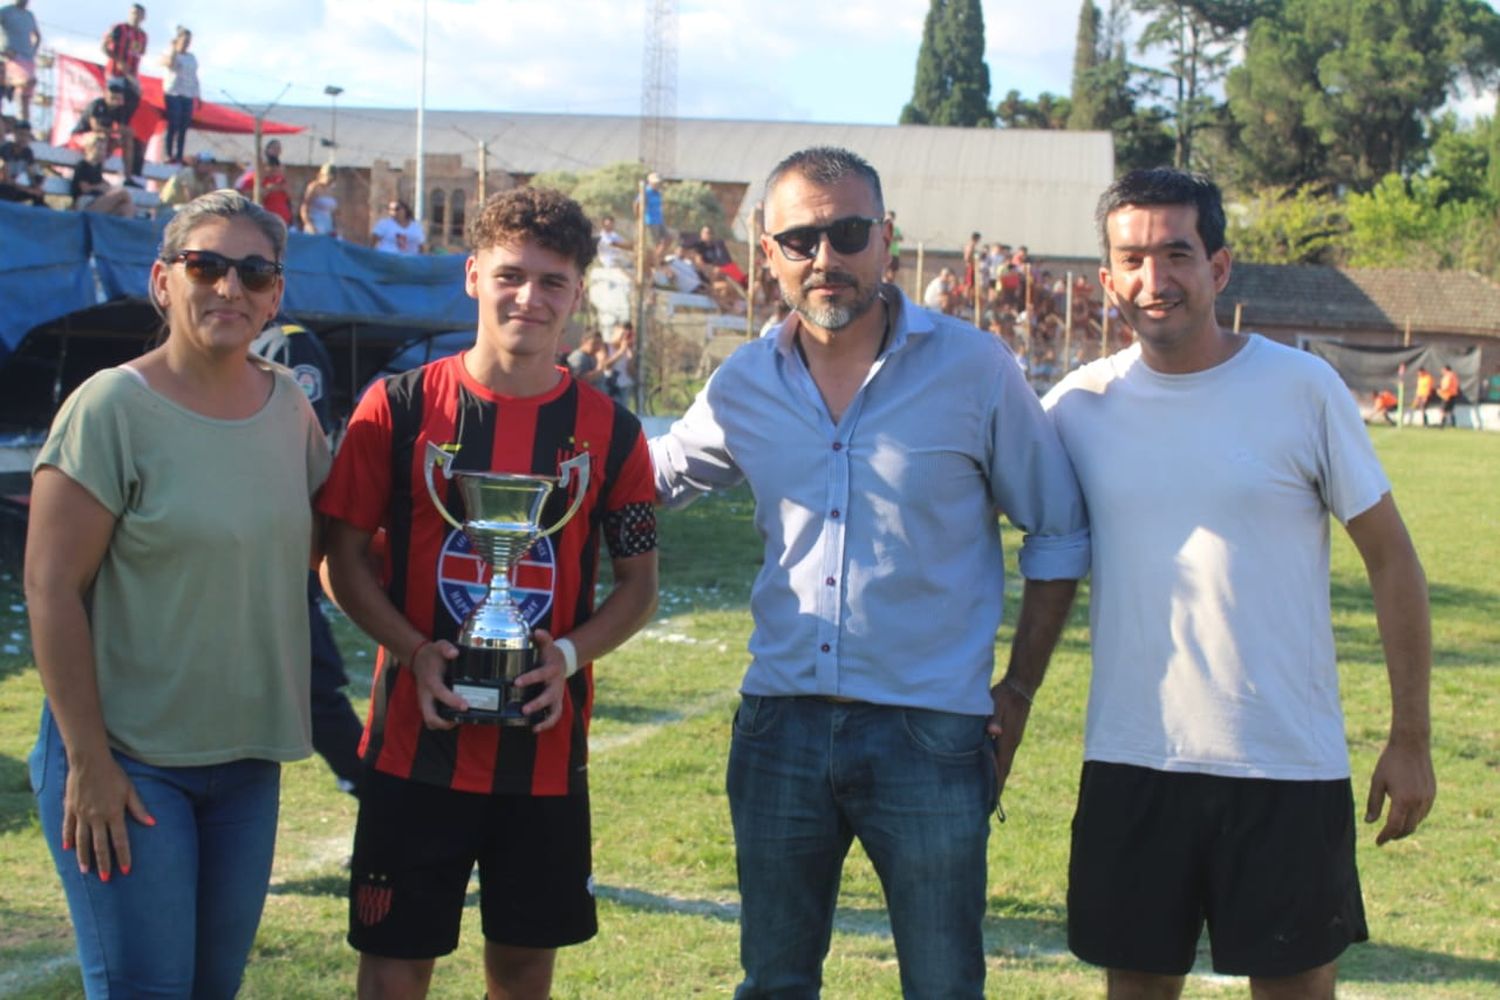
{"x":1448,"y":385}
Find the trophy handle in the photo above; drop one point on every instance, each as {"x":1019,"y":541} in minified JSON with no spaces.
{"x":579,"y":465}
{"x":438,"y":456}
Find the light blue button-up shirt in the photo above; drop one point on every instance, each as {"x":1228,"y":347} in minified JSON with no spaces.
{"x":883,"y":578}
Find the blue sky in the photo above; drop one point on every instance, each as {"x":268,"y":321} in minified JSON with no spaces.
{"x":796,"y":60}
{"x":772,"y":59}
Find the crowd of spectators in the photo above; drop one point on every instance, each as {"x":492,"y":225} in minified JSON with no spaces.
{"x":84,"y":175}
{"x":1003,"y":290}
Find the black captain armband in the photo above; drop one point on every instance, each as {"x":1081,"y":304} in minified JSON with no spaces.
{"x":631,"y":530}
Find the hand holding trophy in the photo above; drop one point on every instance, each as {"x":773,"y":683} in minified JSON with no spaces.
{"x":502,"y":520}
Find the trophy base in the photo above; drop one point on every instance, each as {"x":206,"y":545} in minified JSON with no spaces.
{"x":479,"y":677}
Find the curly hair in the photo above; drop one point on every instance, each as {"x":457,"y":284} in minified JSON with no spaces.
{"x":545,"y":216}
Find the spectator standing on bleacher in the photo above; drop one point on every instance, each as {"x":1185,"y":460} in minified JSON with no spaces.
{"x":273,"y":196}
{"x":180,"y":86}
{"x":197,"y":178}
{"x":611,"y":245}
{"x":20,"y":179}
{"x":123,"y":46}
{"x":90,"y":191}
{"x":398,"y":232}
{"x":652,"y":213}
{"x":19,"y":34}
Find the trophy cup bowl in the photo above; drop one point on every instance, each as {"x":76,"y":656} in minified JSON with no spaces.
{"x":502,"y":520}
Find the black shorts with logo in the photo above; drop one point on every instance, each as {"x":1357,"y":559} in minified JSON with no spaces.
{"x":1268,"y":865}
{"x":415,"y":846}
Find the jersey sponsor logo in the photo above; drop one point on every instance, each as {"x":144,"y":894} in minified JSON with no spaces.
{"x":311,"y":381}
{"x":464,"y":578}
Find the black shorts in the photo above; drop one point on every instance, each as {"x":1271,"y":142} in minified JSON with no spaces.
{"x":1268,"y":864}
{"x":415,"y":846}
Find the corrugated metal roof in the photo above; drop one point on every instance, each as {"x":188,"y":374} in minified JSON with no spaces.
{"x":1023,"y":187}
{"x":1363,"y":298}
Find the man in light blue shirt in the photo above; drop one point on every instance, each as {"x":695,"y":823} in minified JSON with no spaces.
{"x":880,"y":441}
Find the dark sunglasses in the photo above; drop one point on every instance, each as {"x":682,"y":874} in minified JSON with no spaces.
{"x":204,"y":267}
{"x":846,"y":236}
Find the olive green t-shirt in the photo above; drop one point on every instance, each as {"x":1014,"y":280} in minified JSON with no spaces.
{"x":199,"y":609}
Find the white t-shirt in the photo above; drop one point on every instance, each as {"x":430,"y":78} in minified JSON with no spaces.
{"x":1208,"y":496}
{"x":608,"y":255}
{"x":392,"y":237}
{"x":932,"y":295}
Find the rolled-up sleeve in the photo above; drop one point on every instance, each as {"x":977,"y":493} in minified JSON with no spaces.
{"x":1034,"y":484}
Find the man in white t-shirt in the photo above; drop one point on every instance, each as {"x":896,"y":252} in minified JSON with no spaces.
{"x":932,"y":295}
{"x":611,"y":245}
{"x":397,"y":232}
{"x":1216,"y":783}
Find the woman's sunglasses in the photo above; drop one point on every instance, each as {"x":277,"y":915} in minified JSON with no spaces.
{"x":204,"y":267}
{"x":846,"y":236}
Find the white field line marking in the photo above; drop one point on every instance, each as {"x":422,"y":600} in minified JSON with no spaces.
{"x":639,"y":732}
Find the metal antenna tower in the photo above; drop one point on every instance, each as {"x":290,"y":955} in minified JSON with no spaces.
{"x":659,"y":88}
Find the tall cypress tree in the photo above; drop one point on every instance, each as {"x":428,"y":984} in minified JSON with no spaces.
{"x":961,"y":36}
{"x":927,"y":91}
{"x":953,"y":83}
{"x":1088,"y":110}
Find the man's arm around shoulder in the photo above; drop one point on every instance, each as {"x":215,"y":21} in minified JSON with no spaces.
{"x":1404,"y":772}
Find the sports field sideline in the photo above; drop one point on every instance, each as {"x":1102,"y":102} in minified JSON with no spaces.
{"x":664,"y":860}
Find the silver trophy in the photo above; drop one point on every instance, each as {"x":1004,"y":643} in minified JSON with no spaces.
{"x":502,"y":515}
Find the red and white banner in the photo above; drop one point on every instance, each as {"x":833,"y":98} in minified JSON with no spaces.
{"x":78,"y":82}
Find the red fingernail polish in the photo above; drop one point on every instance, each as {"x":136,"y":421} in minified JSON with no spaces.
{"x":150,"y":820}
{"x":124,"y":869}
{"x":104,"y":876}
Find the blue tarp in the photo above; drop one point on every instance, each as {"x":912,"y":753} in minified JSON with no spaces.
{"x":49,"y":262}
{"x":44,"y":272}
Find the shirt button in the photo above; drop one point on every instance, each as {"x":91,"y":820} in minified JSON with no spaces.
{"x":838,"y":446}
{"x":829,"y":581}
{"x":825,"y":647}
{"x":834,"y":514}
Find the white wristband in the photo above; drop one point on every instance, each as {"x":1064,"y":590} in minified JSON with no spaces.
{"x":570,"y":655}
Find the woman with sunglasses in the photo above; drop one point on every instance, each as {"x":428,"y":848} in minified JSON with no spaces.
{"x":166,"y":566}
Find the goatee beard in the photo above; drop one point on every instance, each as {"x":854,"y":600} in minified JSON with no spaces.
{"x":834,"y":316}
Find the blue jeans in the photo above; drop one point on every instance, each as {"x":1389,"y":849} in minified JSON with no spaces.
{"x":179,"y":120}
{"x":916,"y":787}
{"x":182,"y":922}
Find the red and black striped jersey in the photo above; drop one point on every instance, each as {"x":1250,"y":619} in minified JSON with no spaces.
{"x":435,"y":579}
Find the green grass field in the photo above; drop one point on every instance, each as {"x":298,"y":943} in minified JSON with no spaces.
{"x":664,"y":858}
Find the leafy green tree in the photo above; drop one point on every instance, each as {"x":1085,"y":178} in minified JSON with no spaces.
{"x":952,"y":84}
{"x":1303,"y":227}
{"x":1198,"y":37}
{"x":1342,"y":92}
{"x":1461,"y":157}
{"x":611,"y":190}
{"x":1048,"y":111}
